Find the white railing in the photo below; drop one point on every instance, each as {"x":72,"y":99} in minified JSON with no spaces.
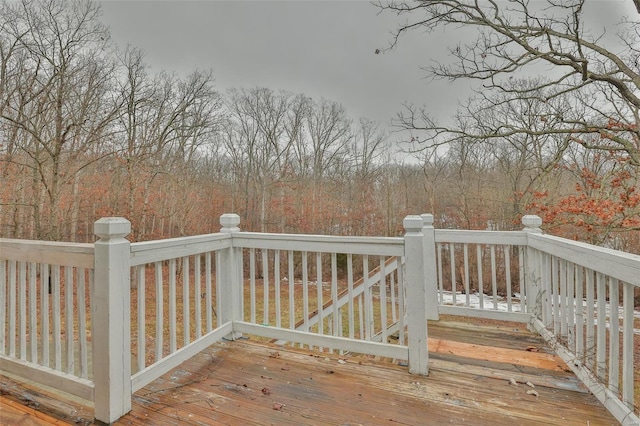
{"x":140,"y":309}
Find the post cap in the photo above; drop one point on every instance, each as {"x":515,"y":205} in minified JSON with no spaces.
{"x":427,"y":219}
{"x":230,"y":222}
{"x":112,"y":227}
{"x":412,"y":223}
{"x":532,"y":223}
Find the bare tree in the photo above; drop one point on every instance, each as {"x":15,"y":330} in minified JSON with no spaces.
{"x":514,"y":37}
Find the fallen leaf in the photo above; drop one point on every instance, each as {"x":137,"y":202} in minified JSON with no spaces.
{"x":277,"y":406}
{"x":531,"y":349}
{"x":532,"y":392}
{"x":266,"y":391}
{"x":274,"y":354}
{"x":285,"y":368}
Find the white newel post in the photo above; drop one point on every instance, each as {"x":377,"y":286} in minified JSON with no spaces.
{"x":230,"y":277}
{"x":111,"y":335}
{"x":532,"y":274}
{"x":430,"y":271}
{"x":416,"y":295}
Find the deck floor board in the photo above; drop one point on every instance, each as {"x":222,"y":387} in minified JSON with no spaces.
{"x":250,"y":383}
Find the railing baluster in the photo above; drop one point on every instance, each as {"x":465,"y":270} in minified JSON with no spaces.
{"x":465,"y":254}
{"x":452,"y":267}
{"x":507,"y":273}
{"x":305,"y":290}
{"x":33,"y":313}
{"x":392,"y":288}
{"x":82,"y":324}
{"x":57,"y":333}
{"x":68,"y":309}
{"x":159,"y":311}
{"x":480,"y":278}
{"x":173,"y":340}
{"x":208,"y":305}
{"x":3,"y":305}
{"x":383,"y":302}
{"x":368,"y":314}
{"x":579,"y":271}
{"x":277,"y":279}
{"x":563,"y":298}
{"x":614,"y":334}
{"x":571,"y":330}
{"x":627,"y":345}
{"x":22,"y":309}
{"x":12,"y":308}
{"x":265,"y":286}
{"x":292,"y":285}
{"x":555,"y":288}
{"x":142,"y":321}
{"x":590,"y":338}
{"x":547,"y":297}
{"x":601,"y":348}
{"x":440,"y":279}
{"x":494,"y":277}
{"x":197,"y":305}
{"x":319,"y":292}
{"x":350,"y":295}
{"x":401,"y":301}
{"x":186,"y":311}
{"x":334,"y":295}
{"x":252,"y":283}
{"x":44,"y":315}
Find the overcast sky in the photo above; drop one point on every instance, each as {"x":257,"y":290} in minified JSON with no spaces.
{"x":319,"y":48}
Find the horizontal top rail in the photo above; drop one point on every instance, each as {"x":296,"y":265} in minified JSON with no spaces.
{"x":614,"y":263}
{"x":159,"y":250}
{"x":481,"y":237}
{"x":374,"y":246}
{"x":79,"y":255}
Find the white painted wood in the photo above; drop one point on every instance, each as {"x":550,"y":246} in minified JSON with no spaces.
{"x":415,"y":276}
{"x":319,"y":295}
{"x":22,"y":309}
{"x":305,"y":292}
{"x":291,"y":287}
{"x":465,"y":257}
{"x":452,"y":270}
{"x":12,"y":308}
{"x":480,"y":275}
{"x":159,"y":340}
{"x":579,"y":271}
{"x":68,"y":310}
{"x":563,"y":298}
{"x":111,"y":317}
{"x":485,"y":313}
{"x":33,"y":313}
{"x":383,"y":300}
{"x":252,"y":283}
{"x":590,"y":341}
{"x":173,"y":340}
{"x":277,"y":280}
{"x":141,"y":317}
{"x":507,"y":273}
{"x":613,"y":263}
{"x":80,"y":387}
{"x":392,"y":291}
{"x":312,"y":339}
{"x":48,"y":252}
{"x":230,"y":284}
{"x":571,"y":303}
{"x":374,"y":246}
{"x":350,"y":307}
{"x":186,"y":309}
{"x":208,"y":305}
{"x":44,"y":314}
{"x":197,"y":294}
{"x":368,"y":300}
{"x":430,"y":267}
{"x":160,"y":250}
{"x":402,"y":302}
{"x":627,"y":345}
{"x":152,"y":372}
{"x":265,"y":286}
{"x":334,"y":295}
{"x":614,"y":335}
{"x":601,"y":348}
{"x":512,"y":238}
{"x":555,"y":293}
{"x":57,"y":326}
{"x":3,"y":306}
{"x":494,"y":276}
{"x":82,"y":324}
{"x":440,"y":277}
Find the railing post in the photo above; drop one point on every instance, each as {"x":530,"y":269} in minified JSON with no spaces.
{"x":532,"y":275}
{"x":230,"y":278}
{"x":110,"y":320}
{"x":430,"y":271}
{"x":416,"y":295}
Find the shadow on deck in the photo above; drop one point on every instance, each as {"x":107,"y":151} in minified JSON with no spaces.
{"x":473,"y":369}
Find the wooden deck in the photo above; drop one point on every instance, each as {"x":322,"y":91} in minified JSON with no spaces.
{"x":472,"y":371}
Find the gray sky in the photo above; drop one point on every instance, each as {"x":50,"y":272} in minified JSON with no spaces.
{"x":319,"y":48}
